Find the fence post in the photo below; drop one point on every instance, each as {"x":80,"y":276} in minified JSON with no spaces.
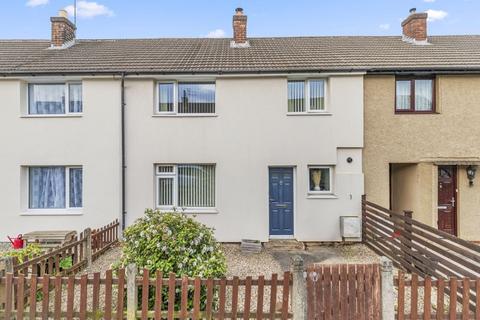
{"x":88,"y":246}
{"x":364,"y":218}
{"x":299,"y":289}
{"x":388,"y":301}
{"x":7,"y":264}
{"x":131,"y":274}
{"x":408,"y":230}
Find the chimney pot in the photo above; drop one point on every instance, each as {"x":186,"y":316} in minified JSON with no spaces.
{"x":239,"y":29}
{"x":415,"y":27}
{"x":63,"y":31}
{"x":63,"y":13}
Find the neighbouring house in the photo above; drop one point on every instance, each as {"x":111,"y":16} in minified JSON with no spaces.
{"x":260,"y":138}
{"x":422,"y":143}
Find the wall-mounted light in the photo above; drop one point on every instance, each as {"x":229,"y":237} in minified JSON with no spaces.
{"x":471,"y":171}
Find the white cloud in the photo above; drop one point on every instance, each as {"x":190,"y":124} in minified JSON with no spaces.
{"x":217,"y":33}
{"x":35,"y":3}
{"x":429,"y":1}
{"x":435,"y":15}
{"x":384,"y":26}
{"x":86,"y":9}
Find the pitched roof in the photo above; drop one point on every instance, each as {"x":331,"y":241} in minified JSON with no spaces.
{"x":289,"y":54}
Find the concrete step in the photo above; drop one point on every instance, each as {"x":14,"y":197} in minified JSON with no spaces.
{"x":290,"y":244}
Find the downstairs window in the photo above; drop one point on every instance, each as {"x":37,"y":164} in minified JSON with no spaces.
{"x":55,"y":187}
{"x":187,"y":186}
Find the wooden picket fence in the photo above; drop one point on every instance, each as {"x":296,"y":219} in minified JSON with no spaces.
{"x":427,"y":298}
{"x":114,"y":296}
{"x":88,"y":245}
{"x":104,"y":238}
{"x":343,"y":292}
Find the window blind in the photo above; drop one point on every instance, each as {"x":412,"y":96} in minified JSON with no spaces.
{"x":196,"y":186}
{"x":296,"y":96}
{"x":196,"y":98}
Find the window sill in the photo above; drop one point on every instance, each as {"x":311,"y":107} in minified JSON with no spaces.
{"x":52,"y":212}
{"x":192,"y":211}
{"x":309,"y":114}
{"x":321,"y":196}
{"x":186,"y":115}
{"x":68,"y":115}
{"x":416,"y":112}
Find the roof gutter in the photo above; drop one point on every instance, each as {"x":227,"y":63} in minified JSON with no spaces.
{"x":420,"y":71}
{"x":160,"y":73}
{"x":459,"y":70}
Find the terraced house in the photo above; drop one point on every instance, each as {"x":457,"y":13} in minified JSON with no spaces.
{"x":421,"y":139}
{"x":260,"y":138}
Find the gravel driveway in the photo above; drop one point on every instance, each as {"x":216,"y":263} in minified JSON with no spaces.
{"x":277,"y":260}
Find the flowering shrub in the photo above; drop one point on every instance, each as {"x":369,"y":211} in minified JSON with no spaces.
{"x":173,"y":242}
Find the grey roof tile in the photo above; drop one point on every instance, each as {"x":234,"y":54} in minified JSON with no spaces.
{"x":193,"y":55}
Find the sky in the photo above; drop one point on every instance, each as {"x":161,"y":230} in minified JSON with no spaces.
{"x":29,"y":19}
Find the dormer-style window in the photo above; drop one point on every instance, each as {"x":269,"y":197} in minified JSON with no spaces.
{"x":186,"y":98}
{"x":306,"y":95}
{"x":415,"y":95}
{"x":54,"y":98}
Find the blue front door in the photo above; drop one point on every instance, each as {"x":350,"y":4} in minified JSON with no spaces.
{"x":281,"y":201}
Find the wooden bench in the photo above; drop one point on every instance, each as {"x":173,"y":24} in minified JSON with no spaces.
{"x":50,"y":239}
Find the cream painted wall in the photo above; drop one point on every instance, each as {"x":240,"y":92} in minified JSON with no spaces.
{"x":404,"y":185}
{"x":92,"y":141}
{"x":412,"y":138}
{"x":251,"y":132}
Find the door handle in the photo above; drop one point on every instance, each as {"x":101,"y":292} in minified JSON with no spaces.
{"x":281,"y":206}
{"x":453,"y":202}
{"x":442,"y":207}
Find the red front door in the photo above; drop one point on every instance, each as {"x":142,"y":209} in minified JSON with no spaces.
{"x":447,"y":199}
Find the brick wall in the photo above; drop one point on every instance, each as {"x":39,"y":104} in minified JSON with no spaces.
{"x":63,"y":31}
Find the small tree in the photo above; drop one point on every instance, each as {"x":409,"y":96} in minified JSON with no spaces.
{"x":173,"y":242}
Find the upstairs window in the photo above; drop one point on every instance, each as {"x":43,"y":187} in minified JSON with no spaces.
{"x":415,"y":95}
{"x":186,"y":98}
{"x":306,"y":95}
{"x":52,"y":98}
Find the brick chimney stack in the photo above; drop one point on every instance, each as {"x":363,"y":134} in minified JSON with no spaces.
{"x":415,"y":27}
{"x":239,"y":29}
{"x":63,"y":31}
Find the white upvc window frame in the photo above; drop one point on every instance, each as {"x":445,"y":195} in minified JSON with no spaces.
{"x":66,"y":85}
{"x":322,"y":192}
{"x":175,"y":98}
{"x":175,"y":112}
{"x":67,"y":207}
{"x":306,"y":95}
{"x":166,"y":175}
{"x":174,"y":176}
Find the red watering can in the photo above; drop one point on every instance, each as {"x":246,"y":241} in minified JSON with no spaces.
{"x":17,"y":243}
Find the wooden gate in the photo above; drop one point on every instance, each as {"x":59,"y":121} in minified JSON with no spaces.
{"x":343,"y":292}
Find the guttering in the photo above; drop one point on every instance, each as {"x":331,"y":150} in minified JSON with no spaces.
{"x":419,"y":71}
{"x":186,"y":73}
{"x":258,"y":73}
{"x":124,"y":167}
